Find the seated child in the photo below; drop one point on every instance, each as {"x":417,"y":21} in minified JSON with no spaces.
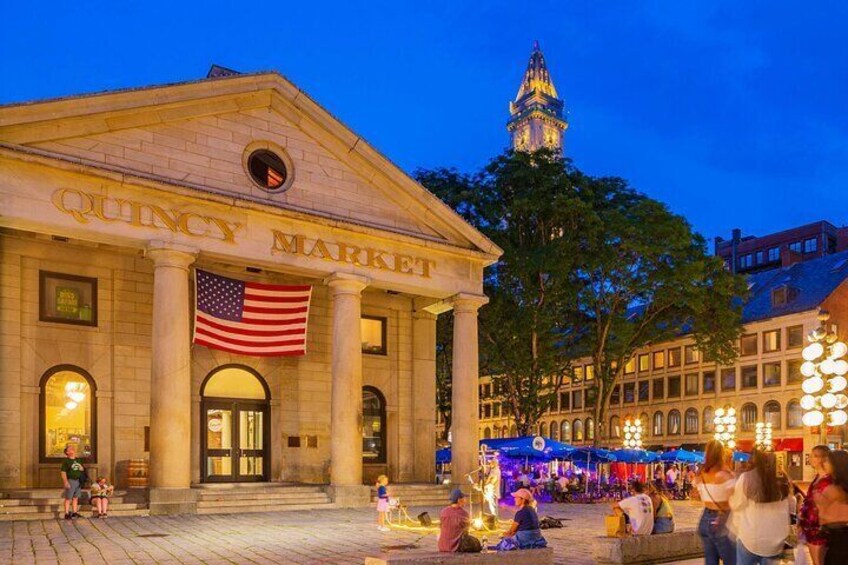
{"x":100,"y":493}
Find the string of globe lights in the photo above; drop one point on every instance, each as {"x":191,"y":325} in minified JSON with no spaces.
{"x":824,"y":384}
{"x":633,"y":434}
{"x":763,"y":437}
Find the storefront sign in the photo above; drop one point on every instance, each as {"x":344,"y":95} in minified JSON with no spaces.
{"x":86,"y":206}
{"x":340,"y":252}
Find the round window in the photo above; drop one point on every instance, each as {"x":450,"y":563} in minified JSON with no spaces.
{"x":267,"y":169}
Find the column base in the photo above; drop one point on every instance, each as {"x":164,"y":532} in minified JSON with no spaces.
{"x":353,"y":496}
{"x":170,"y":501}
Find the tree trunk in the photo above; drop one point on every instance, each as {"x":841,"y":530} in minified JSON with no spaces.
{"x":601,"y":408}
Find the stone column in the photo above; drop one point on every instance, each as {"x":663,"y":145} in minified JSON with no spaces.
{"x":346,"y":397}
{"x":424,"y":395}
{"x":170,"y":386}
{"x":465,"y":395}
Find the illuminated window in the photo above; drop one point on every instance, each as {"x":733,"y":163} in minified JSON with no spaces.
{"x":674,"y":357}
{"x":659,"y":359}
{"x":67,"y":413}
{"x":691,"y":354}
{"x":590,"y":372}
{"x":67,"y":299}
{"x":674,"y":423}
{"x":771,"y":341}
{"x":373,"y":426}
{"x":771,"y":413}
{"x":373,"y":335}
{"x":644,"y":362}
{"x":709,"y":420}
{"x":630,"y":367}
{"x":690,"y":422}
{"x":749,"y":417}
{"x":578,"y":430}
{"x":268,"y":170}
{"x":615,"y":427}
{"x":590,"y":429}
{"x":794,"y":414}
{"x":658,"y":424}
{"x":565,"y":430}
{"x":691,"y":384}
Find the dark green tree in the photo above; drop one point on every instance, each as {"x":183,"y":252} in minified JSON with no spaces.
{"x":527,"y":205}
{"x":645,"y":277}
{"x":444,"y":368}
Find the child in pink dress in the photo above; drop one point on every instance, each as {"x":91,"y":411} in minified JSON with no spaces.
{"x":382,"y":502}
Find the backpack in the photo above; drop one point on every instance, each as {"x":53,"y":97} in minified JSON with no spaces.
{"x":549,"y":522}
{"x":469,"y":544}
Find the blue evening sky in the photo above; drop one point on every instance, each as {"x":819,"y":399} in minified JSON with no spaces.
{"x":734,"y":113}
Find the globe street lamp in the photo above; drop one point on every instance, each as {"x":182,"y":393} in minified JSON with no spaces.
{"x":633,"y":434}
{"x":725,"y":426}
{"x":762,"y":440}
{"x":824,"y":369}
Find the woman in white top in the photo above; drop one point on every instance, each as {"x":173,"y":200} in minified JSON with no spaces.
{"x":760,"y":512}
{"x":714,"y":485}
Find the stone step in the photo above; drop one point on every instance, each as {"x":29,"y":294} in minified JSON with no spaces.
{"x":258,"y":487}
{"x":299,"y":501}
{"x":263,"y":508}
{"x":30,"y":502}
{"x":52,"y":508}
{"x":29,"y":516}
{"x":270,"y":498}
{"x":40,"y":493}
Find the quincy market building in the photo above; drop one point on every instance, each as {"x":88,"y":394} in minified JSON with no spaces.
{"x":111,"y":201}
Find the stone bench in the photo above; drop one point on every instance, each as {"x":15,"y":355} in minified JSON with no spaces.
{"x":518,"y":557}
{"x":657,"y":548}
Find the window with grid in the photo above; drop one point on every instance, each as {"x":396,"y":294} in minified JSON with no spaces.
{"x":692,"y":384}
{"x":659,"y":359}
{"x":709,"y":382}
{"x":728,"y":379}
{"x":674,"y":357}
{"x":615,"y":397}
{"x":709,"y":420}
{"x":771,"y":374}
{"x":659,"y":389}
{"x":771,"y":341}
{"x":629,"y":393}
{"x":811,"y":245}
{"x":644,"y":390}
{"x":748,"y":344}
{"x":749,"y":376}
{"x":564,"y":401}
{"x":795,"y":246}
{"x":658,"y":428}
{"x":773,"y":254}
{"x":674,"y":387}
{"x":644,"y":362}
{"x":690,"y":421}
{"x":674,"y":423}
{"x":795,"y":336}
{"x":793,"y":371}
{"x":630,"y":367}
{"x":749,"y":417}
{"x":577,"y":399}
{"x":691,"y":354}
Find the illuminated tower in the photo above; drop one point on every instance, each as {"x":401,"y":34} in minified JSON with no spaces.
{"x":536,"y":116}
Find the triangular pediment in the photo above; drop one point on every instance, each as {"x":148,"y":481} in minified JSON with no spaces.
{"x":198,"y":134}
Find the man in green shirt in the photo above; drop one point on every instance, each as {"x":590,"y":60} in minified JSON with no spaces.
{"x":71,"y":470}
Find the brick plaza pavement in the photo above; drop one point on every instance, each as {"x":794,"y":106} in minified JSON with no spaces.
{"x":321,"y":536}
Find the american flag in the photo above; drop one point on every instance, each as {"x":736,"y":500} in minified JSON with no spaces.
{"x":266,"y":320}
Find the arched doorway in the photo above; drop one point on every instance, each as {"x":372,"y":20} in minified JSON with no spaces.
{"x":235,"y":428}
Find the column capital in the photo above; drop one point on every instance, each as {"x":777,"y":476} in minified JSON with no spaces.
{"x":164,"y":254}
{"x":465,"y":302}
{"x":346,"y":283}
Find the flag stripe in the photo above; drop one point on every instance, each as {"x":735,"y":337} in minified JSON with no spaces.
{"x":250,"y":318}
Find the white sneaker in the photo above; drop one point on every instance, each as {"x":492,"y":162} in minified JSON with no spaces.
{"x":384,"y":529}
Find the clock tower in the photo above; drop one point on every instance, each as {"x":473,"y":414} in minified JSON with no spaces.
{"x":536,"y":115}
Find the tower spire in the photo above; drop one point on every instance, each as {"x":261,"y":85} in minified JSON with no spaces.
{"x":536,"y":114}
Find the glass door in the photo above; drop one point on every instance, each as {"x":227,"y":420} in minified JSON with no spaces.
{"x":251,"y":444}
{"x":218,"y":448}
{"x":235,"y":441}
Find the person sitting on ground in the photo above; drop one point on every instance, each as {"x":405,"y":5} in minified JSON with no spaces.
{"x":638,"y":508}
{"x":663,"y":515}
{"x":453,"y":522}
{"x":524,"y":532}
{"x":100,"y":493}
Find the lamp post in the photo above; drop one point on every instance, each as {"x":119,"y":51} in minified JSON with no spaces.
{"x":725,"y":426}
{"x":824,"y":369}
{"x":633,"y":433}
{"x":763,"y":440}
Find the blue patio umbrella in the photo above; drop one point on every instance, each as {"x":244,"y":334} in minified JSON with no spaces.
{"x":635,"y":456}
{"x":590,"y":456}
{"x":741,"y":456}
{"x":681,"y":456}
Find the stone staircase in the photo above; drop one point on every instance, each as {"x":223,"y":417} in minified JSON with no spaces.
{"x":47,"y":504}
{"x":417,"y":494}
{"x":261,"y":497}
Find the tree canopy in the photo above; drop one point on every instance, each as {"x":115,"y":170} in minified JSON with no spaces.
{"x":591,"y":268}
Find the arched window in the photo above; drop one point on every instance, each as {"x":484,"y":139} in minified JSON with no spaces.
{"x":554,"y":430}
{"x":615,"y":427}
{"x":565,"y":428}
{"x":513,"y":431}
{"x":690,"y":422}
{"x":771,"y":413}
{"x":68,"y":413}
{"x":643,"y":419}
{"x":793,"y":414}
{"x":674,"y":423}
{"x":373,"y":425}
{"x":749,"y":417}
{"x":590,"y":429}
{"x":487,"y":433}
{"x":543,"y":429}
{"x":709,"y":420}
{"x":658,"y":430}
{"x":504,"y":432}
{"x":578,"y":430}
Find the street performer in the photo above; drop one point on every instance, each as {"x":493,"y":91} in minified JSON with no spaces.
{"x":492,"y":487}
